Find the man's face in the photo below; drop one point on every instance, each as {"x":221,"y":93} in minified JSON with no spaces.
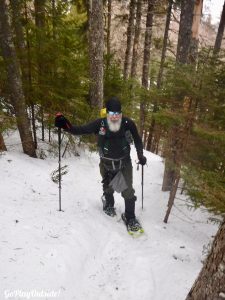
{"x":114,"y":120}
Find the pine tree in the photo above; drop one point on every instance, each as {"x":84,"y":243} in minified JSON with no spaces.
{"x":14,"y":81}
{"x":183,"y":57}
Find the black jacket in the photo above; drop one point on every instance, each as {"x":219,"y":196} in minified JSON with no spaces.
{"x":115,"y":140}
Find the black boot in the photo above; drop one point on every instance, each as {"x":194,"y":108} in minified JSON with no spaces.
{"x":129,"y":216}
{"x":108,"y":205}
{"x":132,"y":224}
{"x":130,"y":208}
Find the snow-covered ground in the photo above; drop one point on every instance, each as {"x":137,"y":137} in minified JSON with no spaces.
{"x":83,"y":254}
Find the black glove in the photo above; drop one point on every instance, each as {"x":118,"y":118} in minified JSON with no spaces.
{"x":62,"y":122}
{"x":142,"y":159}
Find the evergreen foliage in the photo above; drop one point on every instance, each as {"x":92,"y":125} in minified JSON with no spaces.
{"x":191,"y":97}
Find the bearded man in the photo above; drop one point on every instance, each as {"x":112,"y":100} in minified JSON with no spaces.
{"x":115,"y":134}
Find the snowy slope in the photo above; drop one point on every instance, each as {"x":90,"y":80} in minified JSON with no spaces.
{"x":83,"y":254}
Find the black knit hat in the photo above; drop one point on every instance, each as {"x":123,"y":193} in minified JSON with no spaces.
{"x":113,"y":104}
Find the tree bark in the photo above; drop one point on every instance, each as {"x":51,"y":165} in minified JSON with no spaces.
{"x":171,"y":198}
{"x":210,"y":283}
{"x":130,"y":34}
{"x":185,"y":31}
{"x":108,"y":41}
{"x":16,"y":8}
{"x":146,"y":60}
{"x":160,"y":74}
{"x":170,"y":161}
{"x":165,"y":42}
{"x":39,"y":6}
{"x":136,"y":39}
{"x":183,"y":57}
{"x":2,"y":143}
{"x":96,"y":48}
{"x":14,"y":81}
{"x":23,"y":48}
{"x":53,"y":19}
{"x":195,"y":31}
{"x":30,"y":79}
{"x":219,"y":36}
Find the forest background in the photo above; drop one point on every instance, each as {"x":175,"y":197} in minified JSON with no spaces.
{"x":163,"y":59}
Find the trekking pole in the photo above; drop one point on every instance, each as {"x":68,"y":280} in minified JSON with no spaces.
{"x":142,"y":185}
{"x":60,"y":187}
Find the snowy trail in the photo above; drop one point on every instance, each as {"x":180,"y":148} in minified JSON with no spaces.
{"x":82,"y":253}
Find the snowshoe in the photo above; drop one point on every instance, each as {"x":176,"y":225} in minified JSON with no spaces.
{"x":134,"y":228}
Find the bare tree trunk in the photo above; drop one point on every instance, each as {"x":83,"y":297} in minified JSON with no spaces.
{"x":23,"y":48}
{"x":220,"y":32}
{"x":130,"y":34}
{"x":195,"y":31}
{"x":170,"y":161}
{"x":165,"y":42}
{"x":160,"y":74}
{"x":40,"y":35}
{"x":185,"y":31}
{"x":108,"y":41}
{"x":155,"y":139}
{"x":150,"y":135}
{"x":16,"y":8}
{"x":146,"y":60}
{"x":182,"y":136}
{"x":96,"y":48}
{"x":53,"y":19}
{"x":171,"y":198}
{"x":136,"y":39}
{"x":2,"y":143}
{"x":30,"y":79}
{"x":210,"y":283}
{"x":14,"y":81}
{"x":156,"y":145}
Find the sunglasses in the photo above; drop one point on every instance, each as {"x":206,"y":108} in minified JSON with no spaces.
{"x":114,"y":113}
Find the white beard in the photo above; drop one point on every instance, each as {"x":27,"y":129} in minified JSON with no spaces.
{"x":114,"y":126}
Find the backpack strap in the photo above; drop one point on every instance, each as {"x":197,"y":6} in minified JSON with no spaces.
{"x":103,"y":134}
